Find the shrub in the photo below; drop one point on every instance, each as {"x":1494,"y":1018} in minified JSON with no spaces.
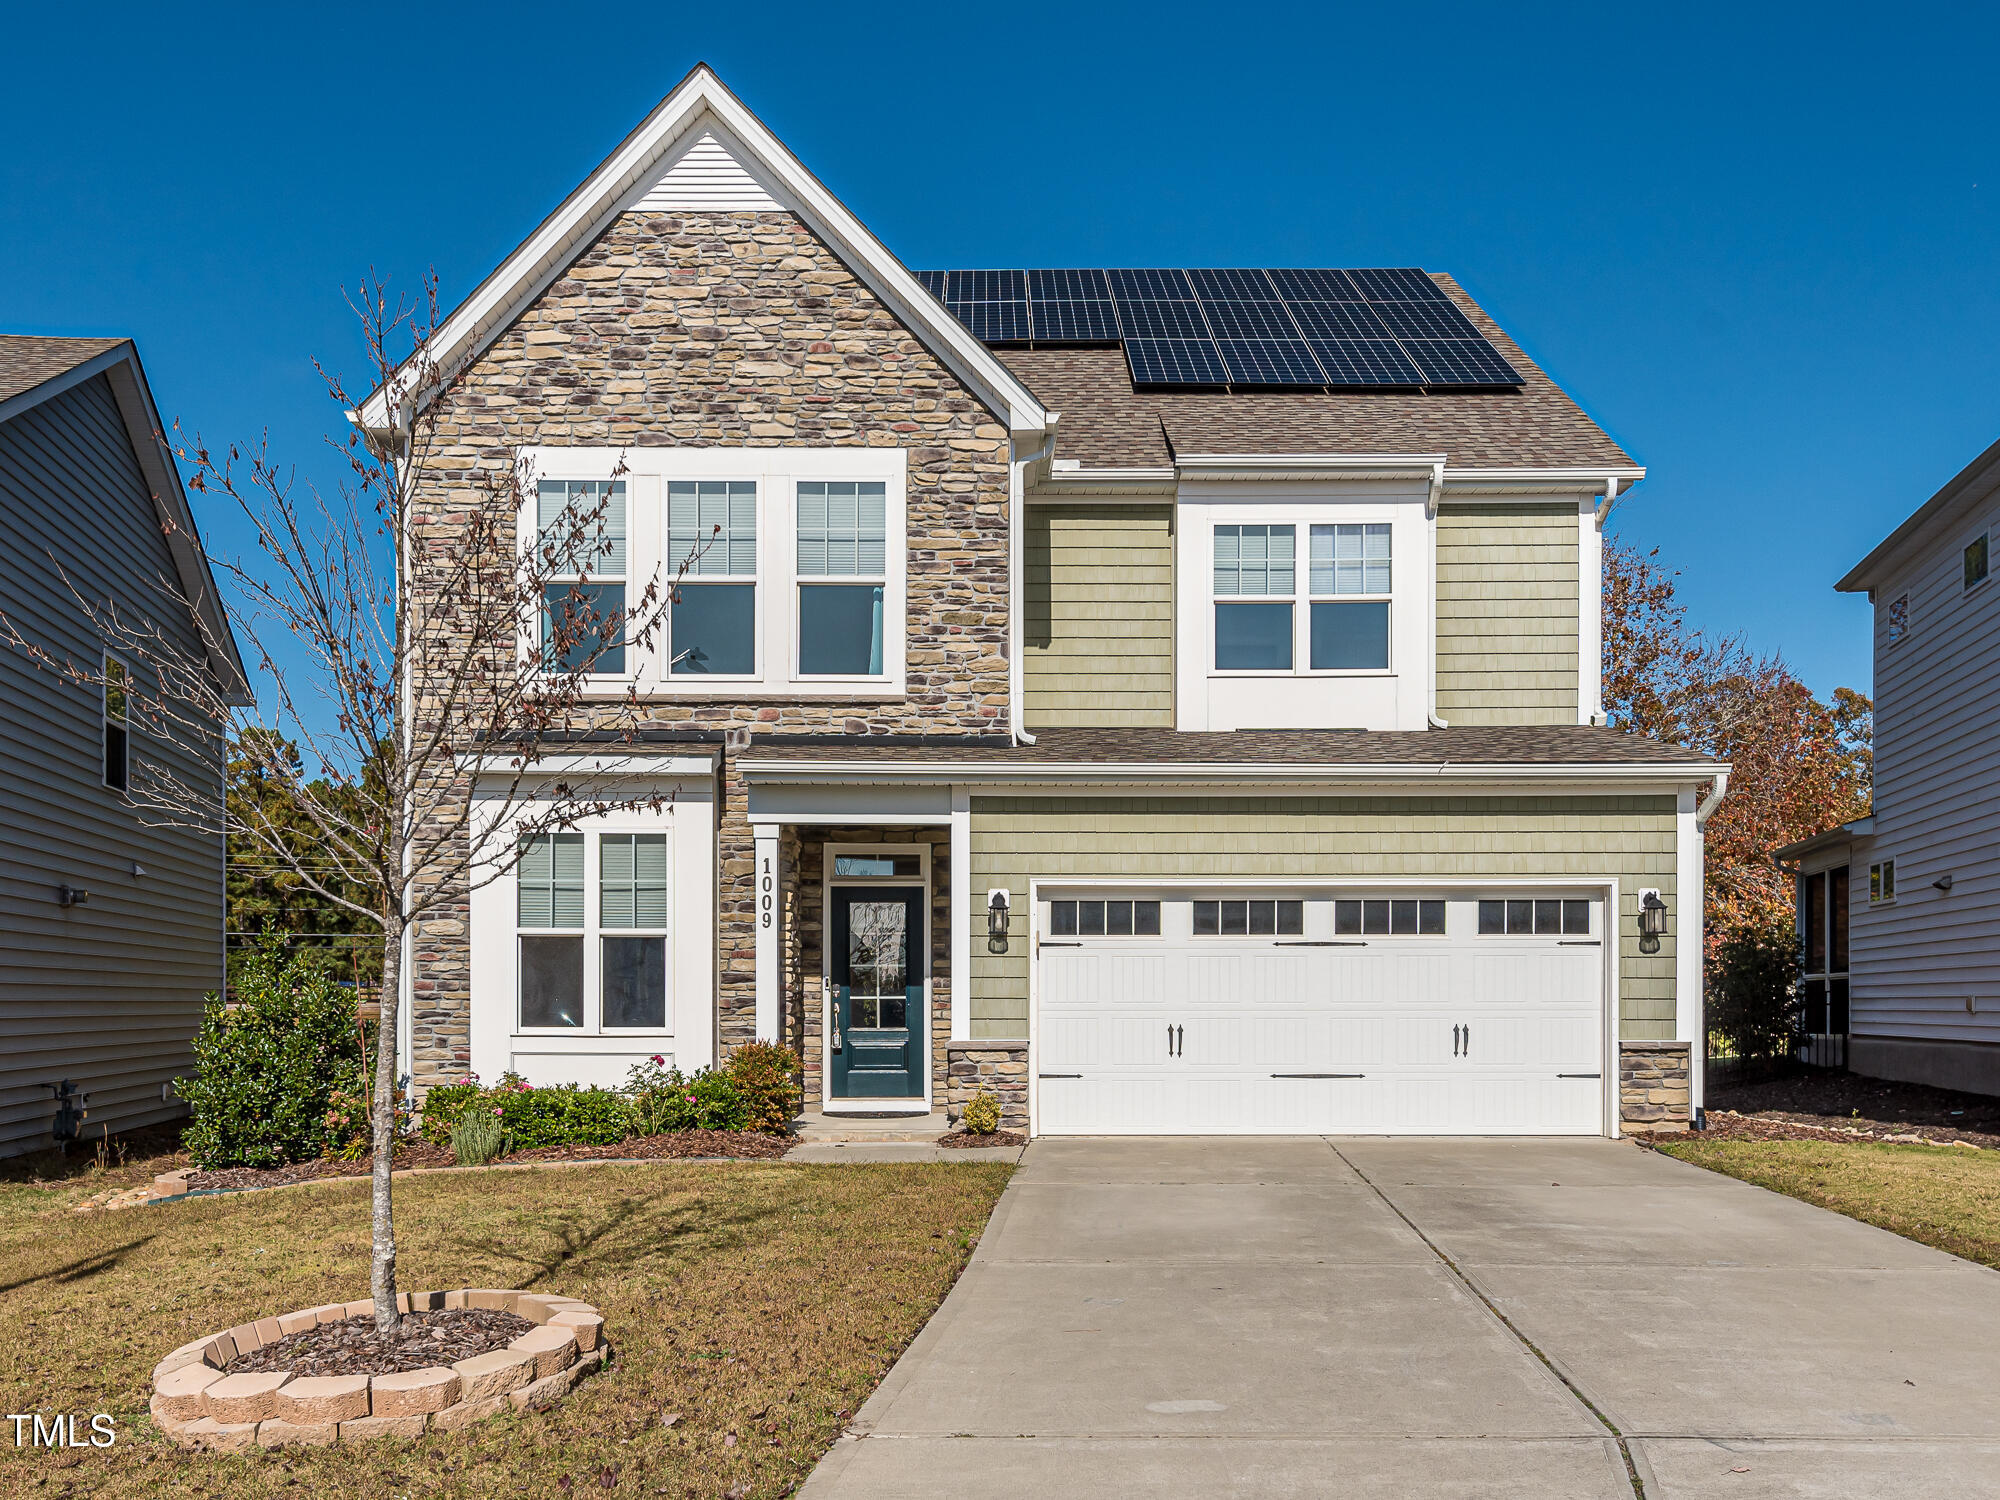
{"x":1753,"y":982}
{"x":444,"y":1104}
{"x":478,"y":1137}
{"x":349,"y":1131}
{"x":982,"y":1114}
{"x":768,"y":1077}
{"x":563,"y":1115}
{"x":664,"y":1099}
{"x":266,"y":1069}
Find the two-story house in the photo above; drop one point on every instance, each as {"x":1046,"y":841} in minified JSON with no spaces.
{"x":1899,"y":912}
{"x":1167,"y":698}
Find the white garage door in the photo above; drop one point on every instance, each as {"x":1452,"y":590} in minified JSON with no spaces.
{"x":1427,"y":1014}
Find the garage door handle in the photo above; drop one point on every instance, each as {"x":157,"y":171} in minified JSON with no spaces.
{"x":1319,"y":1075}
{"x":1047,"y":944}
{"x":1579,"y":943}
{"x":1454,"y":1041}
{"x":1579,"y":1075}
{"x":1316,"y":943}
{"x":1468,"y":1041}
{"x":1059,"y":1075}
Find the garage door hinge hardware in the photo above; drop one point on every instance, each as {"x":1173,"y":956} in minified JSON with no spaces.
{"x":1319,"y":1075}
{"x":1314,"y":943}
{"x":1579,"y":1075}
{"x":1579,"y":943}
{"x":1059,"y":1075}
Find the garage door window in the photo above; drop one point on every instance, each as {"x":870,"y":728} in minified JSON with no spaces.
{"x":1534,"y":916}
{"x":1104,"y":919}
{"x":1388,"y":918}
{"x":1249,"y":918}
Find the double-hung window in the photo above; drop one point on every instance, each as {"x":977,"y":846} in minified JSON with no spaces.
{"x":117,"y":732}
{"x":581,"y":531}
{"x":712,"y":620}
{"x":1255,"y":581}
{"x":1349,"y":578}
{"x":580,"y":975}
{"x":842,"y":578}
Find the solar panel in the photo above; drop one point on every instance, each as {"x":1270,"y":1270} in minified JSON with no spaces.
{"x":1365,"y":362}
{"x":1425,"y":320}
{"x":1068,"y":286}
{"x":1460,"y":362}
{"x":1075,"y":322}
{"x":1397,"y":286}
{"x":1231,"y":286}
{"x":993,"y":322}
{"x":1338,"y":320}
{"x":1269,"y":362}
{"x":1161,"y":320}
{"x":934,"y":282}
{"x":1175,"y":362}
{"x":1248,"y":320}
{"x":987,"y":286}
{"x":1155,"y":286}
{"x":1314,"y":286}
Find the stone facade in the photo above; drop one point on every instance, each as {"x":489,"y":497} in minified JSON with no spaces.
{"x":999,"y":1068}
{"x":1654,"y":1086}
{"x":735,"y":330}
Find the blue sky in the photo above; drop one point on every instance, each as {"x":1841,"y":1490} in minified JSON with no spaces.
{"x":1759,"y":249}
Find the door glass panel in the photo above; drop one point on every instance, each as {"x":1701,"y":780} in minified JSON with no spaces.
{"x":877,"y":963}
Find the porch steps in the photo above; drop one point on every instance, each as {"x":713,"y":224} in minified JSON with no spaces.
{"x":821,"y":1129}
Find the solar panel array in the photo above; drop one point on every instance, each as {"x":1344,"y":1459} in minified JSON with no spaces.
{"x":1242,"y":329}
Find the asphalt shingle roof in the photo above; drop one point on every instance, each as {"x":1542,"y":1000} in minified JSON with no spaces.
{"x":28,"y":359}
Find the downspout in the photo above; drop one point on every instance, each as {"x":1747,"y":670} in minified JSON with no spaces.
{"x":1017,"y":489}
{"x":1431,"y":603}
{"x":1610,"y":499}
{"x":1713,"y":799}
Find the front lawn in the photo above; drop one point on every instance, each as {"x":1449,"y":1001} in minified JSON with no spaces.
{"x":1947,"y":1196}
{"x":757,"y":1304}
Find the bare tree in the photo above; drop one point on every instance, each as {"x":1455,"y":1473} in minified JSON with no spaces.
{"x":438,"y":626}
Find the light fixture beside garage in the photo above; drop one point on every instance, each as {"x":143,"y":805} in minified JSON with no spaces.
{"x":997,"y":902}
{"x":1652,"y":921}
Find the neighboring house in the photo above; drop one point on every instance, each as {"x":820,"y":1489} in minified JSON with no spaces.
{"x":1899,"y":912}
{"x":1062,"y":708}
{"x":110,"y":929}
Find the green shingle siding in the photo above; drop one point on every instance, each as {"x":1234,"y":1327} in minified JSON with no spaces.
{"x":1099,"y":624}
{"x":1015,"y":839}
{"x":1507,"y":614}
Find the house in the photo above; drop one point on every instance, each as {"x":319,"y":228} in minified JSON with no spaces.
{"x":111,"y":926}
{"x":1169,"y":700}
{"x":1899,"y":912}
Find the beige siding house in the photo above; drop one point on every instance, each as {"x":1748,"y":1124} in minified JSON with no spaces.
{"x":111,"y":927}
{"x":1167,"y":699}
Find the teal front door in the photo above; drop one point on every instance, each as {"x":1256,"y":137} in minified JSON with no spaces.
{"x":878,"y":978}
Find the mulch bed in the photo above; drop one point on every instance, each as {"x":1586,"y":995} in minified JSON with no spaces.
{"x":1728,"y":1125}
{"x":419,"y":1341}
{"x":966,"y":1140}
{"x":1848,"y":1101}
{"x":744,"y":1144}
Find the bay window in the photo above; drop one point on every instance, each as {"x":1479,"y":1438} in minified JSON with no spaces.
{"x":580,"y":976}
{"x":843,"y":576}
{"x":581,"y":529}
{"x":712,"y":621}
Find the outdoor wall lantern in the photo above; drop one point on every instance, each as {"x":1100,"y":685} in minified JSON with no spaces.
{"x":1652,"y":921}
{"x":997,"y":902}
{"x":69,"y":895}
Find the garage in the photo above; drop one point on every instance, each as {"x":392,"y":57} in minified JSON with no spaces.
{"x":1341,"y":1011}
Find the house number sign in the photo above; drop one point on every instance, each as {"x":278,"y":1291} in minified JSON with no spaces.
{"x":766,"y":893}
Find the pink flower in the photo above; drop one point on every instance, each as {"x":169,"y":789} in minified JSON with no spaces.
{"x":498,"y":1112}
{"x":659,"y":1059}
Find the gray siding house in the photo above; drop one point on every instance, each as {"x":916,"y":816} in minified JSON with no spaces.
{"x":1899,"y":912}
{"x":111,"y":930}
{"x":1166,"y":698}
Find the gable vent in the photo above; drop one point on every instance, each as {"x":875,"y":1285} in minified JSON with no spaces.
{"x":707,"y":177}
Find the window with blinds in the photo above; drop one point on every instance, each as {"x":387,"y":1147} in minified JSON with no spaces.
{"x":1349,"y":578}
{"x":712,"y":616}
{"x":842,"y":535}
{"x":549,"y":895}
{"x":1255,"y":578}
{"x":582,"y":537}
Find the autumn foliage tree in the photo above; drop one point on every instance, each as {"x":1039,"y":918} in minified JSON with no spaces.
{"x":1800,"y":765}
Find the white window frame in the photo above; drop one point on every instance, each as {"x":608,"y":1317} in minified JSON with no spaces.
{"x":777,"y":472}
{"x":1304,"y":663}
{"x":1876,"y":870}
{"x":528,"y":531}
{"x":593,"y":932}
{"x":802,"y":579}
{"x":1302,"y":516}
{"x":1290,"y":601}
{"x":670,"y":561}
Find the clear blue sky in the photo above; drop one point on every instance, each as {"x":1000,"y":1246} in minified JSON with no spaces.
{"x":1760,"y":250}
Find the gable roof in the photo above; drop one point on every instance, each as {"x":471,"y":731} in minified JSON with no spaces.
{"x":35,"y":369}
{"x":700,"y":106}
{"x":1107,"y":424}
{"x":1970,"y":487}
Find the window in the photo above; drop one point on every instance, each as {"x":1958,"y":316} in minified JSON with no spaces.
{"x":1896,"y":623}
{"x":1537,"y":915}
{"x":1104,"y":919}
{"x":1350,"y":589}
{"x":632,"y":901}
{"x":549,"y":901}
{"x":605,"y":976}
{"x":117,"y":737}
{"x":580,"y":527}
{"x":712,"y":623}
{"x":1388,"y":918}
{"x":1882,"y":882}
{"x":892,"y":866}
{"x":843,"y":535}
{"x":1975,"y":561}
{"x":1249,"y":918}
{"x":1254,"y":582}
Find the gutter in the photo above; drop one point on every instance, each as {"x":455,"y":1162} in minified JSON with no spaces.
{"x":1113,"y":772}
{"x":1017,"y":593}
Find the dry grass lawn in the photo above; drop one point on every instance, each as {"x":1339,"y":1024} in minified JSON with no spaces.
{"x":758,"y":1304}
{"x":1946,"y":1196}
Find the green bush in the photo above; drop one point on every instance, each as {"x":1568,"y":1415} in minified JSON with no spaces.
{"x":478,"y":1137}
{"x":1753,"y":989}
{"x":665,"y":1099}
{"x":266,"y":1069}
{"x":982,"y":1114}
{"x":767,"y":1076}
{"x":444,"y":1104}
{"x":563,"y":1115}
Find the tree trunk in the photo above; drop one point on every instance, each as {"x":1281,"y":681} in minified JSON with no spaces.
{"x":382,"y":1116}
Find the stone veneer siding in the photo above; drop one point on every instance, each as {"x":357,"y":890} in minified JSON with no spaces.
{"x":1654,"y":1086}
{"x":735,"y":330}
{"x":999,"y":1068}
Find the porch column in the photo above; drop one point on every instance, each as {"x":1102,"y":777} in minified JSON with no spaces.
{"x":962,"y":900}
{"x":769,"y":880}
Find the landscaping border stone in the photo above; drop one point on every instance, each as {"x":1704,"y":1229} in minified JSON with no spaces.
{"x":276,"y":1409}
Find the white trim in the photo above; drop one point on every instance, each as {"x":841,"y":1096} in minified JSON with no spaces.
{"x":1589,"y":615}
{"x":828,"y":882}
{"x":1197,"y":773}
{"x":1688,"y":942}
{"x":961,"y":914}
{"x":701,"y":102}
{"x":1597,"y":477}
{"x":912,"y":1107}
{"x":767,"y":886}
{"x":543,"y":767}
{"x":1610,"y":1114}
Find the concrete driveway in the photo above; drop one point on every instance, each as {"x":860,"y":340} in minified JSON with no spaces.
{"x":1367,"y":1317}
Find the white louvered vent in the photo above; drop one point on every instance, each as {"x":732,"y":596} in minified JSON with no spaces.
{"x":706,"y":176}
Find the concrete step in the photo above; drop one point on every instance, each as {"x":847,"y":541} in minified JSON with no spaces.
{"x":818,"y":1128}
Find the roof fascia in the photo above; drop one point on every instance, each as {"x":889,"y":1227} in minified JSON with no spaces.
{"x":1583,"y":480}
{"x":1208,"y":773}
{"x":523,"y":275}
{"x":1972,"y":484}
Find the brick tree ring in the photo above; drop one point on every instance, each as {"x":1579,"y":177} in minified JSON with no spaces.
{"x":198,"y":1405}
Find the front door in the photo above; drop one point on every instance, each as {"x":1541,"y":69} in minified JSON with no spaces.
{"x":878,"y":986}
